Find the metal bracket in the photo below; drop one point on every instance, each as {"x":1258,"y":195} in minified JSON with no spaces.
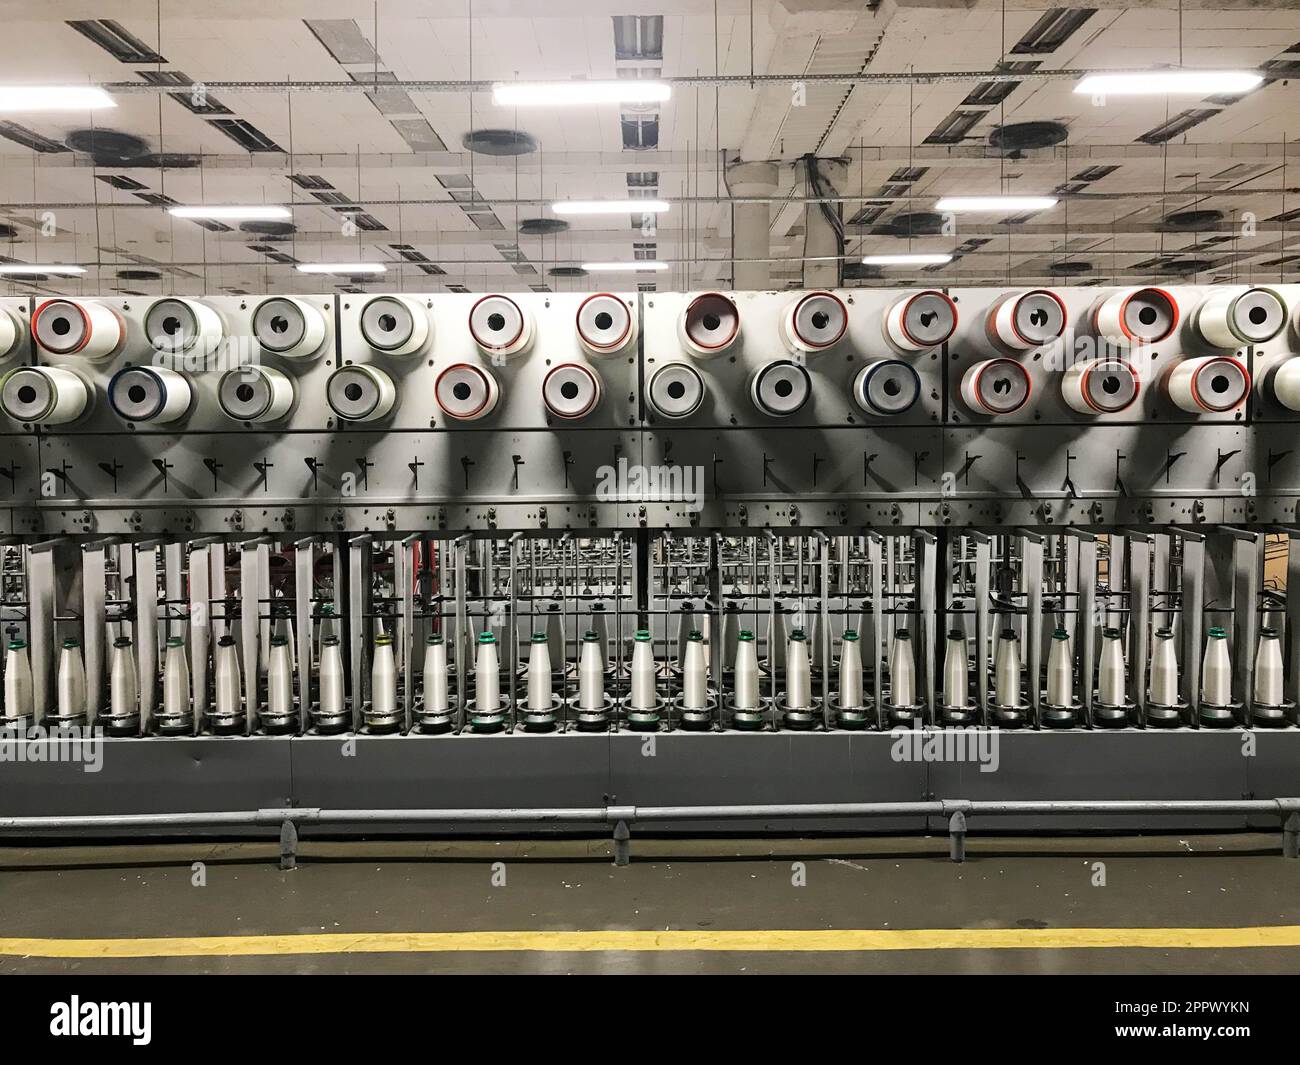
{"x":288,"y":845}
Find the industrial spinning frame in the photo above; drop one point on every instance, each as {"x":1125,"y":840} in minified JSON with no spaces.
{"x":451,"y":551}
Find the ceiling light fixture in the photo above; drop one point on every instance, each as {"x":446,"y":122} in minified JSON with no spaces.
{"x":563,"y":93}
{"x":254,"y":212}
{"x":341,"y":268}
{"x":1170,"y":82}
{"x":20,"y":269}
{"x":995,"y":203}
{"x":610,"y":206}
{"x":53,"y":98}
{"x":640,"y":264}
{"x":937,"y":258}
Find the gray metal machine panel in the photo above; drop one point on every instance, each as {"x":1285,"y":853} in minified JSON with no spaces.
{"x":1133,"y":764}
{"x":734,"y":769}
{"x":155,"y":776}
{"x":1274,"y":770}
{"x":451,"y":772}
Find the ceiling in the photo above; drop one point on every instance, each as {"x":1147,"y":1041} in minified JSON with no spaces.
{"x":377,"y":171}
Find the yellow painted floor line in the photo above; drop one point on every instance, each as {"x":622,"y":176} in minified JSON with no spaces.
{"x":761,"y":940}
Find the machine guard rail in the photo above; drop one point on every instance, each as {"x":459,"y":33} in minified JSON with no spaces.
{"x":957,"y":811}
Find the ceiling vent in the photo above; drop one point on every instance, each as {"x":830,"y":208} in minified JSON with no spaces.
{"x":1190,"y":221}
{"x":269,"y":229}
{"x":1180,"y":267}
{"x":499,"y":142}
{"x":29,"y":138}
{"x":245,"y":134}
{"x":541,"y":227}
{"x":139,"y":275}
{"x":638,"y":37}
{"x":914,"y":224}
{"x":954,"y":128}
{"x":108,"y":146}
{"x":1052,"y":30}
{"x":1095,"y":173}
{"x":116,"y":40}
{"x":1181,"y":123}
{"x":1026,"y":136}
{"x":121,"y":181}
{"x":1070,"y":267}
{"x":640,"y":132}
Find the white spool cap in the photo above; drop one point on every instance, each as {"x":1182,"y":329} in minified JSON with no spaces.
{"x":1137,"y":316}
{"x":360,"y":393}
{"x":9,"y":333}
{"x":49,"y":395}
{"x":885,"y":387}
{"x":676,"y":390}
{"x":570,"y":391}
{"x":466,"y":392}
{"x":288,"y":326}
{"x":175,"y":326}
{"x":149,"y":394}
{"x":1286,"y":383}
{"x":780,"y":389}
{"x":256,"y":394}
{"x":709,"y":325}
{"x":996,"y":387}
{"x":395,"y":325}
{"x":921,"y":321}
{"x":500,"y":326}
{"x":1100,"y":386}
{"x":1026,"y":320}
{"x":606,"y":325}
{"x":1209,"y":384}
{"x":1230,"y":318}
{"x":814,"y":322}
{"x":77,"y":327}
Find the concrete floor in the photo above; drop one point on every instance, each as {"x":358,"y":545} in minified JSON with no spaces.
{"x":129,"y":891}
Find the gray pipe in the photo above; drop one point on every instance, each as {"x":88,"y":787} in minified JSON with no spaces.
{"x":645,"y":814}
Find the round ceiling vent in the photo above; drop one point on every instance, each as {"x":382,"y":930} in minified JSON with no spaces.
{"x":1193,"y":220}
{"x":1187,"y":266}
{"x":541,"y":227}
{"x":1067,"y":267}
{"x":914,"y":223}
{"x":1023,"y":136}
{"x":139,"y":275}
{"x":107,"y":145}
{"x":268,"y":229}
{"x":499,"y":142}
{"x":567,"y":271}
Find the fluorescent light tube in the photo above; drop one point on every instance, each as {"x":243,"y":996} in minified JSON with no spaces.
{"x":610,"y":206}
{"x":341,"y":268}
{"x":261,"y":212}
{"x":564,"y":93}
{"x":1170,"y":82}
{"x":908,"y":259}
{"x":53,"y":98}
{"x":640,"y":264}
{"x":40,"y":268}
{"x":995,"y":203}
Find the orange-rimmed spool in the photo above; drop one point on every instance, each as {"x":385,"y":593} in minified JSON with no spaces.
{"x":76,"y":327}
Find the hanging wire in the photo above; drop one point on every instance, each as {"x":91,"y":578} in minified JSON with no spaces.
{"x":1281,"y":258}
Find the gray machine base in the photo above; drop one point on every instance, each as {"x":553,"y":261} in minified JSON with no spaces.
{"x":519,"y":772}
